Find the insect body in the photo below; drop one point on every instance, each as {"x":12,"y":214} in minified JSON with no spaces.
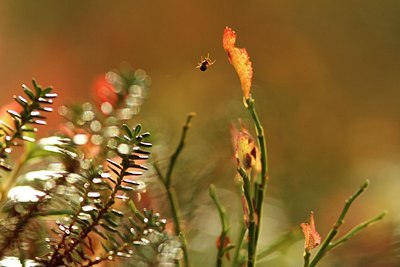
{"x":205,"y":63}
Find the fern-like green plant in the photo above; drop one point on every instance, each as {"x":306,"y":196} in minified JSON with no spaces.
{"x":98,"y":212}
{"x":71,"y":207}
{"x":25,"y":120}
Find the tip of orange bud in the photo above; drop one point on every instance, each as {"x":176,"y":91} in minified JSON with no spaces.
{"x":228,"y":39}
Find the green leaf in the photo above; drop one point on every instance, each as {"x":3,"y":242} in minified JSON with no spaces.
{"x":22,"y":101}
{"x":125,"y":188}
{"x":128,"y":173}
{"x":128,"y":131}
{"x":132,"y":182}
{"x":111,"y":222}
{"x":114,"y":170}
{"x":114,"y":163}
{"x":48,"y":94}
{"x":47,"y":91}
{"x":100,"y":233}
{"x":14,"y":114}
{"x":138,"y":128}
{"x":105,"y":247}
{"x":28,"y":92}
{"x":145,"y":144}
{"x":117,"y":213}
{"x":37,"y":88}
{"x":144,"y":135}
{"x":133,"y":165}
{"x":108,"y":227}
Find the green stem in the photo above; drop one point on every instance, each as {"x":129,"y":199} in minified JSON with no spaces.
{"x":356,"y":230}
{"x":224,"y":225}
{"x":261,"y":141}
{"x":178,"y":150}
{"x":259,"y":194}
{"x":307,"y":255}
{"x":242,"y":234}
{"x":252,"y":224}
{"x":167,"y":182}
{"x":285,"y":239}
{"x":335,"y":229}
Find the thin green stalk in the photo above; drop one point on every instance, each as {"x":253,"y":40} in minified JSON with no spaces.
{"x":261,"y":141}
{"x":178,"y":150}
{"x":307,"y":255}
{"x":259,"y":194}
{"x":242,"y":234}
{"x":167,"y":182}
{"x":356,"y":230}
{"x":335,"y":229}
{"x":175,"y":215}
{"x":251,"y":259}
{"x":224,"y":225}
{"x":285,"y":240}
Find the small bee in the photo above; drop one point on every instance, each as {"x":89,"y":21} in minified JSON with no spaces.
{"x":205,"y":63}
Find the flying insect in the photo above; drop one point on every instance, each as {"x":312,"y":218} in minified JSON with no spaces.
{"x":205,"y":63}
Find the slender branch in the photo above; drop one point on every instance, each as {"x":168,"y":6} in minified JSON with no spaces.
{"x":285,"y":239}
{"x":259,"y":194}
{"x":260,"y":190}
{"x":167,"y":182}
{"x":335,"y":229}
{"x":224,"y":225}
{"x":178,"y":150}
{"x":261,"y":141}
{"x":252,"y":224}
{"x":356,"y":230}
{"x":242,"y":234}
{"x":307,"y":255}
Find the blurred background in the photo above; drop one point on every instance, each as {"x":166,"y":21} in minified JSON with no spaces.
{"x":326,"y":84}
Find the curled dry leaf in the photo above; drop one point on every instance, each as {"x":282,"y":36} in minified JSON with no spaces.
{"x":240,"y":60}
{"x":312,"y":237}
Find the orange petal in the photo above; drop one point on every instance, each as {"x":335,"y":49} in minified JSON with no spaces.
{"x":240,"y":60}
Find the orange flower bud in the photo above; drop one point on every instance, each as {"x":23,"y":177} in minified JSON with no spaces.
{"x":312,"y":237}
{"x":246,"y":151}
{"x":240,"y":60}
